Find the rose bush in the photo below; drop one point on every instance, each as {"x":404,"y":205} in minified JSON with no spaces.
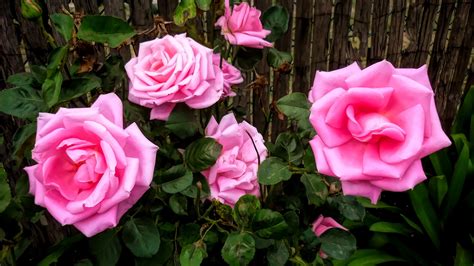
{"x":374,"y":125}
{"x":172,"y":70}
{"x":321,"y":225}
{"x":235,"y":171}
{"x":90,"y":169}
{"x":241,"y":25}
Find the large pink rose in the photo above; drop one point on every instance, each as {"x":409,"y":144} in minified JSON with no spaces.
{"x":90,"y":169}
{"x":374,"y":126}
{"x":172,"y":70}
{"x":232,"y":75}
{"x":235,"y":171}
{"x":242,"y":26}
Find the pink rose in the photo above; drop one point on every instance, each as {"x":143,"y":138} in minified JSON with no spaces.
{"x":321,"y":225}
{"x":242,"y":26}
{"x":172,"y":70}
{"x":232,"y":75}
{"x":90,"y":170}
{"x":374,"y":126}
{"x":235,"y":171}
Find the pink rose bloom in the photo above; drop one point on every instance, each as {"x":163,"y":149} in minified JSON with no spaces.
{"x":321,"y":225}
{"x":172,"y":70}
{"x":90,"y":169}
{"x":242,"y":26}
{"x":235,"y":171}
{"x":232,"y":75}
{"x":374,"y":126}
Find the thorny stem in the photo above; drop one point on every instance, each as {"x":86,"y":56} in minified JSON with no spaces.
{"x":46,"y":34}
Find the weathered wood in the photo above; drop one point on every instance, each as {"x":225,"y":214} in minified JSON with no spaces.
{"x":87,"y":6}
{"x":10,"y":55}
{"x":166,"y":8}
{"x":142,"y":19}
{"x":395,"y":36}
{"x":321,"y":25}
{"x":449,"y":87}
{"x":338,"y":56}
{"x":302,"y":68}
{"x":281,"y":80}
{"x":56,"y":6}
{"x":358,"y":49}
{"x":261,"y":93}
{"x":116,"y":8}
{"x":379,"y":31}
{"x":36,"y":45}
{"x":440,"y":40}
{"x":419,"y":26}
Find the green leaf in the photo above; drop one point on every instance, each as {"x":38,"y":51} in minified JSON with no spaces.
{"x":349,"y":207}
{"x":22,"y":135}
{"x":105,"y":29}
{"x":188,"y":234}
{"x":182,"y":122}
{"x":77,"y":87}
{"x":193,"y":254}
{"x":276,"y":20}
{"x":160,"y":258}
{"x":204,"y":5}
{"x":106,"y":248}
{"x":64,"y":24}
{"x":463,"y":117}
{"x":425,"y":212}
{"x":142,"y":237}
{"x":412,"y":223}
{"x":296,"y":107}
{"x":288,"y":146}
{"x":277,"y":254}
{"x":39,"y":73}
{"x":338,"y":244}
{"x":56,"y":60}
{"x":22,"y":102}
{"x":185,"y":10}
{"x":365,"y":202}
{"x":269,"y":224}
{"x":272,"y":171}
{"x":308,"y":160}
{"x":457,"y":181}
{"x":5,"y":193}
{"x":441,"y":163}
{"x":177,"y":178}
{"x":51,"y":89}
{"x":21,"y":79}
{"x":463,"y":256}
{"x":277,"y":59}
{"x":58,"y":250}
{"x":238,"y":249}
{"x":179,"y":204}
{"x":369,"y":257}
{"x":202,"y":154}
{"x":386,"y":227}
{"x":438,"y":186}
{"x":84,"y":262}
{"x":316,"y":189}
{"x":245,"y":209}
{"x":247,"y":58}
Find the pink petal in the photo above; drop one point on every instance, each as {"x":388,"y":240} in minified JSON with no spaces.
{"x":413,"y":176}
{"x":363,"y":189}
{"x":111,"y":107}
{"x":162,"y":112}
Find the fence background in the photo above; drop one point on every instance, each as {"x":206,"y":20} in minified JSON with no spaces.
{"x":322,"y":35}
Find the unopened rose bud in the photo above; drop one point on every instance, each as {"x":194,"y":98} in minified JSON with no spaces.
{"x":31,"y":9}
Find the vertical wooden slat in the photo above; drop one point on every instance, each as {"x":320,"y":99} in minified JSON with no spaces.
{"x":55,"y":6}
{"x":322,"y":23}
{"x":340,"y":43}
{"x":379,"y":31}
{"x":166,"y":8}
{"x":116,"y":8}
{"x":36,"y":45}
{"x":10,"y":56}
{"x":395,"y":38}
{"x":281,"y":80}
{"x":88,"y":6}
{"x":142,"y":19}
{"x":361,"y":31}
{"x":261,"y":94}
{"x":439,"y":43}
{"x":302,"y":66}
{"x":448,"y":89}
{"x":419,"y":24}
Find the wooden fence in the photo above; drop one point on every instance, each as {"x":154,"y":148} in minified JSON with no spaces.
{"x":323,"y":35}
